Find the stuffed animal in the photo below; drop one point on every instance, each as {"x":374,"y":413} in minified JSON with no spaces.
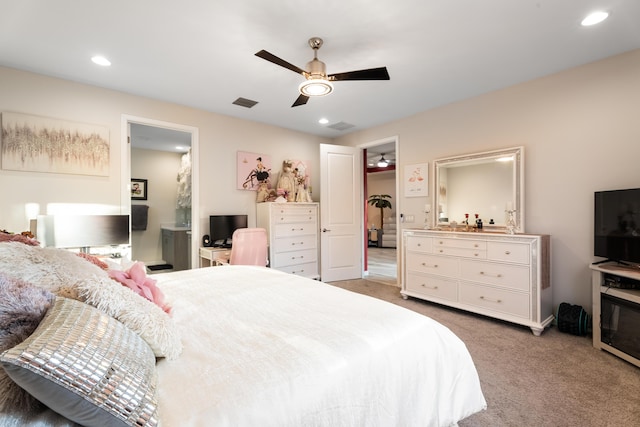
{"x":287,"y":181}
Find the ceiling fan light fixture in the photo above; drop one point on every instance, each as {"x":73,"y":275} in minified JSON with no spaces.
{"x":315,"y":87}
{"x":383,"y":163}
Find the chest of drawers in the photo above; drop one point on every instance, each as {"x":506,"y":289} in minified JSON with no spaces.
{"x":498,"y":275}
{"x":292,"y":230}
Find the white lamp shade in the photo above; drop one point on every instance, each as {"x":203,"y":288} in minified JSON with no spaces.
{"x":315,"y":87}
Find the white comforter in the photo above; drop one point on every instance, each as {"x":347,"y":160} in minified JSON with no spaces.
{"x":265,"y":348}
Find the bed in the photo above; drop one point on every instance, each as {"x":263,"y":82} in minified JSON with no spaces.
{"x":247,"y":346}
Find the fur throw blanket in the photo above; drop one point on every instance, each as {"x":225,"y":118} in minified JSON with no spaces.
{"x":22,"y":307}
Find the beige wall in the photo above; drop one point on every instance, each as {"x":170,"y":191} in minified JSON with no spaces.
{"x":580,"y":132}
{"x":220,"y":137}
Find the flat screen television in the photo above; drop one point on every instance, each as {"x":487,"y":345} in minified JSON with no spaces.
{"x":221,"y":228}
{"x":617,"y":225}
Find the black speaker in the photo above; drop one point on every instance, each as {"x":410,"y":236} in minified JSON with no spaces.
{"x":206,"y":241}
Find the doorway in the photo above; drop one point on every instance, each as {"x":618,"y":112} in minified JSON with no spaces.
{"x":382,"y":225}
{"x":151,"y":151}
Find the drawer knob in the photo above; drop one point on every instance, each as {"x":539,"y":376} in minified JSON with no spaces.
{"x":296,"y":243}
{"x":475,"y":246}
{"x":419,"y":244}
{"x":490,"y":299}
{"x":507,"y":252}
{"x":424,"y":285}
{"x":440,"y":251}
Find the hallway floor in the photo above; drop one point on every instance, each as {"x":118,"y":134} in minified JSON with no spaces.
{"x":383,"y":266}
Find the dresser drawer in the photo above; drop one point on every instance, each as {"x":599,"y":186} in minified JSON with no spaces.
{"x":505,"y":275}
{"x":294,"y":243}
{"x":298,"y":229}
{"x":500,"y":300}
{"x":419,"y":244}
{"x":431,"y":264}
{"x":461,"y":252}
{"x":294,"y":209}
{"x":459,"y":243}
{"x":509,"y":252}
{"x":294,"y":214}
{"x":309,"y":269}
{"x":296,"y":257}
{"x":433,"y":286}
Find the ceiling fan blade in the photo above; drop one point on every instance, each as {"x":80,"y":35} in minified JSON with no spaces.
{"x":380,"y":73}
{"x":302,"y":99}
{"x":278,"y":61}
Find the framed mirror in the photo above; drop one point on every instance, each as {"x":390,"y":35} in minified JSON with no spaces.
{"x":487,"y":184}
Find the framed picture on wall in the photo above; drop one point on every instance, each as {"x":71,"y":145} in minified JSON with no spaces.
{"x":43,"y":144}
{"x":415,"y":180}
{"x":138,"y":189}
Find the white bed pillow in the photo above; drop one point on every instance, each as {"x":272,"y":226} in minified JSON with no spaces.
{"x":87,"y":366}
{"x":65,"y":274}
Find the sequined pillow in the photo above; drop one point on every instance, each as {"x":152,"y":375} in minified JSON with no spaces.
{"x":86,"y":366}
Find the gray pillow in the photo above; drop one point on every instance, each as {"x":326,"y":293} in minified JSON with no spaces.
{"x":87,"y":366}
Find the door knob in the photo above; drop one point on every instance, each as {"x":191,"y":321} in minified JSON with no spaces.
{"x":324,"y":230}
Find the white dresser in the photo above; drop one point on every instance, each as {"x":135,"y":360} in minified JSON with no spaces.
{"x":494,"y":274}
{"x":292,"y":229}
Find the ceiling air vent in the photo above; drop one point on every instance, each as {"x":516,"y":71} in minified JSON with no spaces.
{"x":341,"y":126}
{"x":244,"y":102}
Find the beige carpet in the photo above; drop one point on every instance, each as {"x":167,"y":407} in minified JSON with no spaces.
{"x":556,"y":379}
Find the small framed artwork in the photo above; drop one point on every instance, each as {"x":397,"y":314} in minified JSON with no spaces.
{"x":415,"y":180}
{"x":138,"y":189}
{"x":253,"y":169}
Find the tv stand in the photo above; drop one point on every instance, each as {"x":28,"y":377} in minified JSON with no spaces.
{"x":612,"y":262}
{"x":598,"y":274}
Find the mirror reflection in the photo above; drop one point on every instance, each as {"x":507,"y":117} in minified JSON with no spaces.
{"x":484,"y":184}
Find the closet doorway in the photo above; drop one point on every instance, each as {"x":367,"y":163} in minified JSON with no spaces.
{"x":163,"y":157}
{"x":382,"y":225}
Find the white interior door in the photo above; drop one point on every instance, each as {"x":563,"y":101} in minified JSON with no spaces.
{"x":341,"y":213}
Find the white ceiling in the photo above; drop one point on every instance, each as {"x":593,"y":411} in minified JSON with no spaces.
{"x":200,"y":53}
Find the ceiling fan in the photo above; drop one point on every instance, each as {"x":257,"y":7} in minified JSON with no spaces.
{"x":317,"y":81}
{"x":383,"y":163}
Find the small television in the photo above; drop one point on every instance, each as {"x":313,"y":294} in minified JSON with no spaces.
{"x":617,"y":225}
{"x":221,"y":228}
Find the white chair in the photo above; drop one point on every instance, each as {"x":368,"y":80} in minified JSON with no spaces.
{"x":249,"y":247}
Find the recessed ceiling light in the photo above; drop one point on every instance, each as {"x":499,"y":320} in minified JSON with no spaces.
{"x":594,"y":18}
{"x":101,"y":60}
{"x":323,"y":121}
